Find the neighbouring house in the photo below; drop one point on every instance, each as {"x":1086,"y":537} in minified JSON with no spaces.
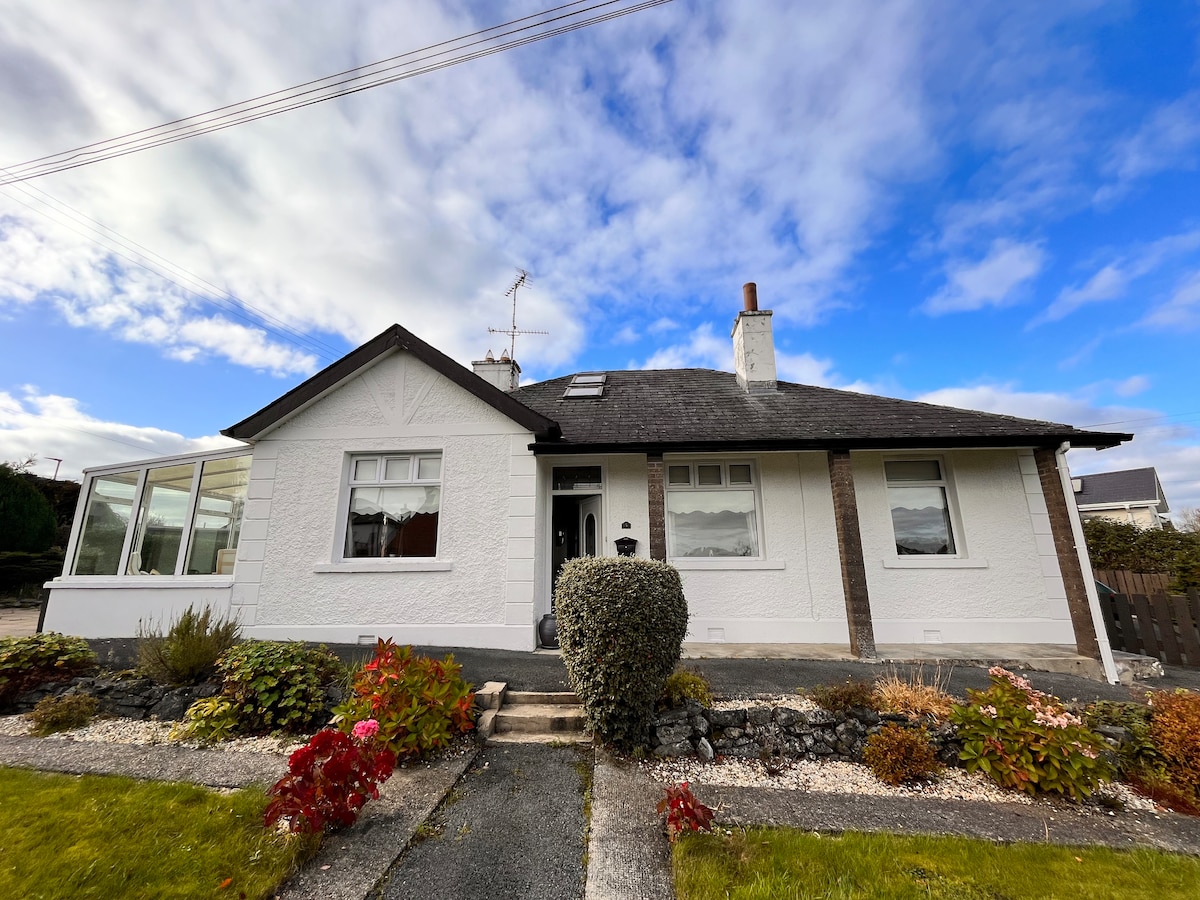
{"x":1131,"y":496}
{"x":397,"y":493}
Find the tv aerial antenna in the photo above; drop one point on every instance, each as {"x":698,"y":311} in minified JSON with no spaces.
{"x":522,"y":281}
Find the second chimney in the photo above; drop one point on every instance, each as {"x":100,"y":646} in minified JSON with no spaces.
{"x":503,"y":373}
{"x":754,"y":345}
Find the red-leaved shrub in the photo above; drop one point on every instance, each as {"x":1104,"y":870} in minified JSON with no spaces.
{"x":329,"y":780}
{"x":684,"y":812}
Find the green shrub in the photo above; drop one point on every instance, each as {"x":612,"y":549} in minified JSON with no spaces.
{"x":54,"y":714}
{"x":899,"y":755}
{"x":29,"y":661}
{"x":1175,"y":729}
{"x":208,"y":719}
{"x":841,"y":698}
{"x":189,"y":651}
{"x":621,"y":622}
{"x":277,"y":687}
{"x":686,"y":685}
{"x":419,"y":703}
{"x":1139,"y":753}
{"x":1027,"y":740}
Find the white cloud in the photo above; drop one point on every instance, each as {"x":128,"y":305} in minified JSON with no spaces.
{"x":1169,"y":138}
{"x":1182,"y":309}
{"x":702,"y":350}
{"x":1132,"y":386}
{"x":49,"y":425}
{"x":1112,"y":281}
{"x":992,"y":281}
{"x":1107,"y":284}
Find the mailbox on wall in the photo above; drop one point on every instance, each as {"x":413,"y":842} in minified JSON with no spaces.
{"x":626,"y":546}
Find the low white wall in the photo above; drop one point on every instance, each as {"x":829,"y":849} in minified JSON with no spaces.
{"x":98,"y":607}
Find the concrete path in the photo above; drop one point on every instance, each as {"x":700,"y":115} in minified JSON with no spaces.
{"x":514,"y":826}
{"x":628,"y":855}
{"x":18,"y":622}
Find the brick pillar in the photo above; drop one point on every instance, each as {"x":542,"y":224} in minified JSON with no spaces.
{"x":854,"y":570}
{"x":1068,"y":554}
{"x":658,"y":506}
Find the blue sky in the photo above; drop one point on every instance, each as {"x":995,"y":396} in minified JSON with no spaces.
{"x":984,"y":205}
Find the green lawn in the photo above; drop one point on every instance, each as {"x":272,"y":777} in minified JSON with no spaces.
{"x":781,"y":863}
{"x":106,"y":837}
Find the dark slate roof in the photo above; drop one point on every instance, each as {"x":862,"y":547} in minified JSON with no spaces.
{"x":706,"y":410}
{"x":1127,"y":486}
{"x":394,"y":338}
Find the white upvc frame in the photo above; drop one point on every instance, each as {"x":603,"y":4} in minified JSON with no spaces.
{"x":960,"y":558}
{"x":339,"y":562}
{"x":142,"y":467}
{"x":693,"y":461}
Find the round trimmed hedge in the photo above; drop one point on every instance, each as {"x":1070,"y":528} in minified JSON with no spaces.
{"x":621,"y":622}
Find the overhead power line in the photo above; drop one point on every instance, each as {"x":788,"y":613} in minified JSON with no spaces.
{"x":476,"y":45}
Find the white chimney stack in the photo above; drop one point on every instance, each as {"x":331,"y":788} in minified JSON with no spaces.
{"x":754,"y":345}
{"x":503,"y":373}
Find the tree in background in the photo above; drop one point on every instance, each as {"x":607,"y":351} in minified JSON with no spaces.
{"x":27,"y":521}
{"x":1120,"y":545}
{"x":1189,"y":520}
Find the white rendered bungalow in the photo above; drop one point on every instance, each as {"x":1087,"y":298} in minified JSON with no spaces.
{"x":397,"y":493}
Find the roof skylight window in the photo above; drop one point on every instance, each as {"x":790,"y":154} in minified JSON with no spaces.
{"x":588,"y":384}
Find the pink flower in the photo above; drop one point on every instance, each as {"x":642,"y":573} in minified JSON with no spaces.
{"x":989,"y":711}
{"x":368,"y":728}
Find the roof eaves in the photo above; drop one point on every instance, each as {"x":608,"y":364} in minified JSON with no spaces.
{"x":916,"y":442}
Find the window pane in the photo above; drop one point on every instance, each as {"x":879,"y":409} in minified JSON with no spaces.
{"x":397,"y":469}
{"x":218,"y":521}
{"x":708,"y":474}
{"x":576,"y":478}
{"x":429,"y":468}
{"x":366,"y":469}
{"x":913,"y":470}
{"x":161,"y":520}
{"x":392,"y":521}
{"x":679,"y":475}
{"x":921,"y":520}
{"x":739,"y":473}
{"x":712,"y":523}
{"x":105,"y":521}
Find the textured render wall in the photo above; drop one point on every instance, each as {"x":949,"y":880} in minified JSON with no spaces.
{"x":792,"y":595}
{"x":479,"y":591}
{"x":626,"y":500}
{"x":1006,"y":589}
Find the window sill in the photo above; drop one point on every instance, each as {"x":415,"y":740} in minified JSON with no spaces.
{"x":934,"y":562}
{"x":697,"y":564}
{"x":136,"y":582}
{"x":385,"y":565}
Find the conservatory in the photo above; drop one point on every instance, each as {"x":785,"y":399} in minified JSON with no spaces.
{"x":165,"y":523}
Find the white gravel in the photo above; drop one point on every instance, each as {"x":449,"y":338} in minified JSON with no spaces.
{"x":136,"y":731}
{"x":849,"y":778}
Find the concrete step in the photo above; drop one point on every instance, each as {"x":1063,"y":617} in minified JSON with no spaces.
{"x":521,"y":698}
{"x":541,"y":737}
{"x":544,"y":717}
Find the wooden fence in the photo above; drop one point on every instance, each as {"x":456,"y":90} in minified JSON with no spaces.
{"x":1158,"y":625}
{"x":1123,"y":581}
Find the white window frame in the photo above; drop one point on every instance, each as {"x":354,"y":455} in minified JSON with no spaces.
{"x":142,"y":468}
{"x":759,"y":560}
{"x":343,"y":563}
{"x":957,"y":560}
